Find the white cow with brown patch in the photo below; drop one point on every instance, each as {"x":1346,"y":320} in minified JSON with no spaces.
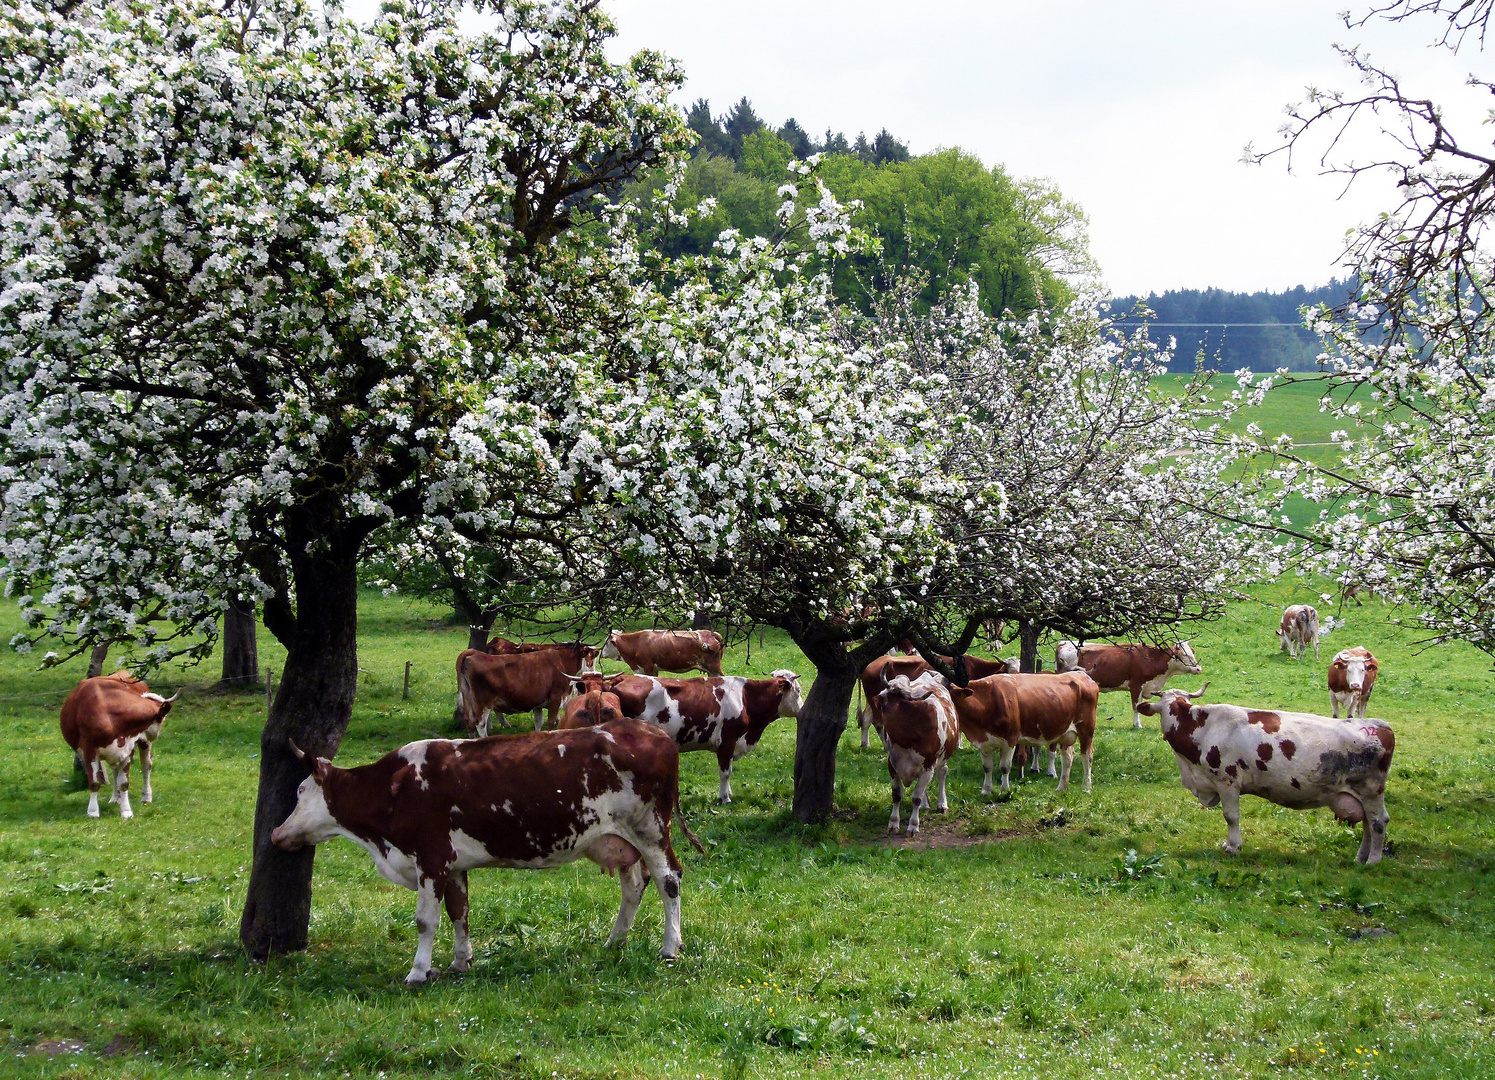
{"x":1297,"y":760}
{"x":1298,"y":630}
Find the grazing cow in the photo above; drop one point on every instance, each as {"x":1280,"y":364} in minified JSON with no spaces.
{"x":1296,"y":760}
{"x":726,"y":714}
{"x":1141,"y":669}
{"x":918,"y":726}
{"x":977,"y":667}
{"x":648,"y":652}
{"x":107,"y":718}
{"x":589,"y":704}
{"x":520,"y":682}
{"x":872,"y":683}
{"x":1352,"y":675}
{"x":1002,"y":712}
{"x":1299,"y":629}
{"x":433,"y":810}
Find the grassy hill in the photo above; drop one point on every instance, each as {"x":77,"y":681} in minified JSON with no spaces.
{"x":1018,"y":938}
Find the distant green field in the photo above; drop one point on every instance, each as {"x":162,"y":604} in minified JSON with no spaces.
{"x":1019,"y":939}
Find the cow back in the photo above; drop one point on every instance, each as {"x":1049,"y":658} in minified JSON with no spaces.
{"x":105,"y":708}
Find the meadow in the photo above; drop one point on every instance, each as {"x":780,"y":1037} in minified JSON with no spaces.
{"x":1055,"y":935}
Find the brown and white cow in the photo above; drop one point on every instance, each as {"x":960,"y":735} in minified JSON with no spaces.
{"x":589,"y":704}
{"x":1143,"y":670}
{"x":872,"y":682}
{"x":919,"y":728}
{"x":106,"y":719}
{"x":519,"y":682}
{"x":648,"y":652}
{"x":502,"y":646}
{"x":1352,"y":676}
{"x":1057,"y":711}
{"x":1297,"y":760}
{"x":726,"y":714}
{"x":433,"y":810}
{"x":1298,"y":630}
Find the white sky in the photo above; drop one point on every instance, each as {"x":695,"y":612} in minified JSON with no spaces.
{"x":1138,"y":109}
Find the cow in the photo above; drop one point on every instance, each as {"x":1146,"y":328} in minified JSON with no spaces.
{"x":1297,"y":760}
{"x":1352,"y":676}
{"x":726,"y":714}
{"x":999,"y":713}
{"x":872,"y":683}
{"x":589,"y":704}
{"x":648,"y":652}
{"x":1298,"y":630}
{"x":1141,"y":669}
{"x":520,"y":682}
{"x":919,"y":728}
{"x":977,"y":667}
{"x":106,"y":719}
{"x":433,"y":810}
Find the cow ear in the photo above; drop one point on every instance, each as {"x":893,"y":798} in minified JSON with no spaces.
{"x":321,"y":768}
{"x":1147,"y":708}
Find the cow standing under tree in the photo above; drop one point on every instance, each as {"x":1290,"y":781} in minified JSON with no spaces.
{"x":106,"y":719}
{"x":1298,"y":630}
{"x":919,"y":728}
{"x":1002,"y":712}
{"x":648,"y":652}
{"x":522,"y":682}
{"x":726,"y":714}
{"x":1352,"y":676}
{"x":1142,"y":670}
{"x":431,"y":811}
{"x":1297,"y":760}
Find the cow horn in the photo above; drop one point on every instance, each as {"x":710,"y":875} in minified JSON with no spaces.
{"x":300,"y":754}
{"x":168,"y":701}
{"x":1197,"y":693}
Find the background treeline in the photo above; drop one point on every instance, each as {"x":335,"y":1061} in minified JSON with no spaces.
{"x":944,"y":214}
{"x":1220,"y":324}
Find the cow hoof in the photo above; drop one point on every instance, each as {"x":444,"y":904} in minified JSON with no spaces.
{"x":460,"y":967}
{"x":669,"y":957}
{"x":892,"y":826}
{"x":943,"y":808}
{"x":147,"y":799}
{"x":416,"y":978}
{"x":93,"y":811}
{"x":1236,"y":850}
{"x":723,"y":800}
{"x":126,"y":815}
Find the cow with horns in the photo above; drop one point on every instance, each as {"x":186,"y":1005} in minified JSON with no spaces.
{"x":1352,"y":676}
{"x":919,"y":728}
{"x":1141,"y":670}
{"x":1297,"y":760}
{"x":648,"y":652}
{"x":433,"y":810}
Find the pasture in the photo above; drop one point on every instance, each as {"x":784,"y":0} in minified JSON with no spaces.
{"x":1047,"y":935}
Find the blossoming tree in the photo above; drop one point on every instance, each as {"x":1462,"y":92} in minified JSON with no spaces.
{"x":271,"y":281}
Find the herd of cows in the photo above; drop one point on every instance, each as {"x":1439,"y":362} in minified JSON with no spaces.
{"x":604,"y":785}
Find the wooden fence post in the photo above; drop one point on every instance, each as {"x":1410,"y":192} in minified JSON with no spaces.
{"x":405,"y":694}
{"x":269,"y":688}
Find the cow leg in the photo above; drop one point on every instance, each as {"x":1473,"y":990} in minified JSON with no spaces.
{"x":1068,"y":753}
{"x":920,"y":798}
{"x":1315,"y":649}
{"x":1136,"y":690}
{"x":724,"y":770}
{"x":456,"y":910}
{"x":897,"y":800}
{"x":428,"y":894}
{"x":665,"y":870}
{"x":1009,"y":750}
{"x":633,"y":881}
{"x":988,"y":756}
{"x":1230,"y":805}
{"x":93,"y":768}
{"x":1053,"y":773}
{"x":540,"y":718}
{"x":864,"y":721}
{"x":1334,"y":703}
{"x":944,"y":804}
{"x":483,"y":723}
{"x":122,"y":788}
{"x":1373,"y":831}
{"x":1087,"y":756}
{"x":146,"y":761}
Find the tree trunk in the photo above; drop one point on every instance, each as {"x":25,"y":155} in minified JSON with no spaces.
{"x":96,"y":659}
{"x":241,"y":660}
{"x":1027,"y":635}
{"x":822,"y":719}
{"x":312,"y":707}
{"x":479,"y":627}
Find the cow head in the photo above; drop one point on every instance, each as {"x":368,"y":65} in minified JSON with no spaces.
{"x":610,"y":647}
{"x":1166,"y":701}
{"x":1183,"y":661}
{"x":311,"y":822}
{"x":585,"y":682}
{"x":589,"y":656}
{"x":791,"y":697}
{"x":1066,"y":656}
{"x":1354,"y":663}
{"x":165,"y":703}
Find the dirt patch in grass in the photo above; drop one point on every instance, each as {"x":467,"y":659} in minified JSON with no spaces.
{"x":949,"y":836}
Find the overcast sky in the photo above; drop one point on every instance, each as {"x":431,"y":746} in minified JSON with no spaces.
{"x":1138,"y":109}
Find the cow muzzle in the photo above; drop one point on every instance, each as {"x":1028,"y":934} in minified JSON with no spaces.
{"x":282,"y":838}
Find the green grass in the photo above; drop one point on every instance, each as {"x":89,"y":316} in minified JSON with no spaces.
{"x":1024,"y":945}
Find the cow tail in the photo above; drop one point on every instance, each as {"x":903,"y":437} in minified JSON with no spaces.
{"x":465,"y":699}
{"x":685,"y":825}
